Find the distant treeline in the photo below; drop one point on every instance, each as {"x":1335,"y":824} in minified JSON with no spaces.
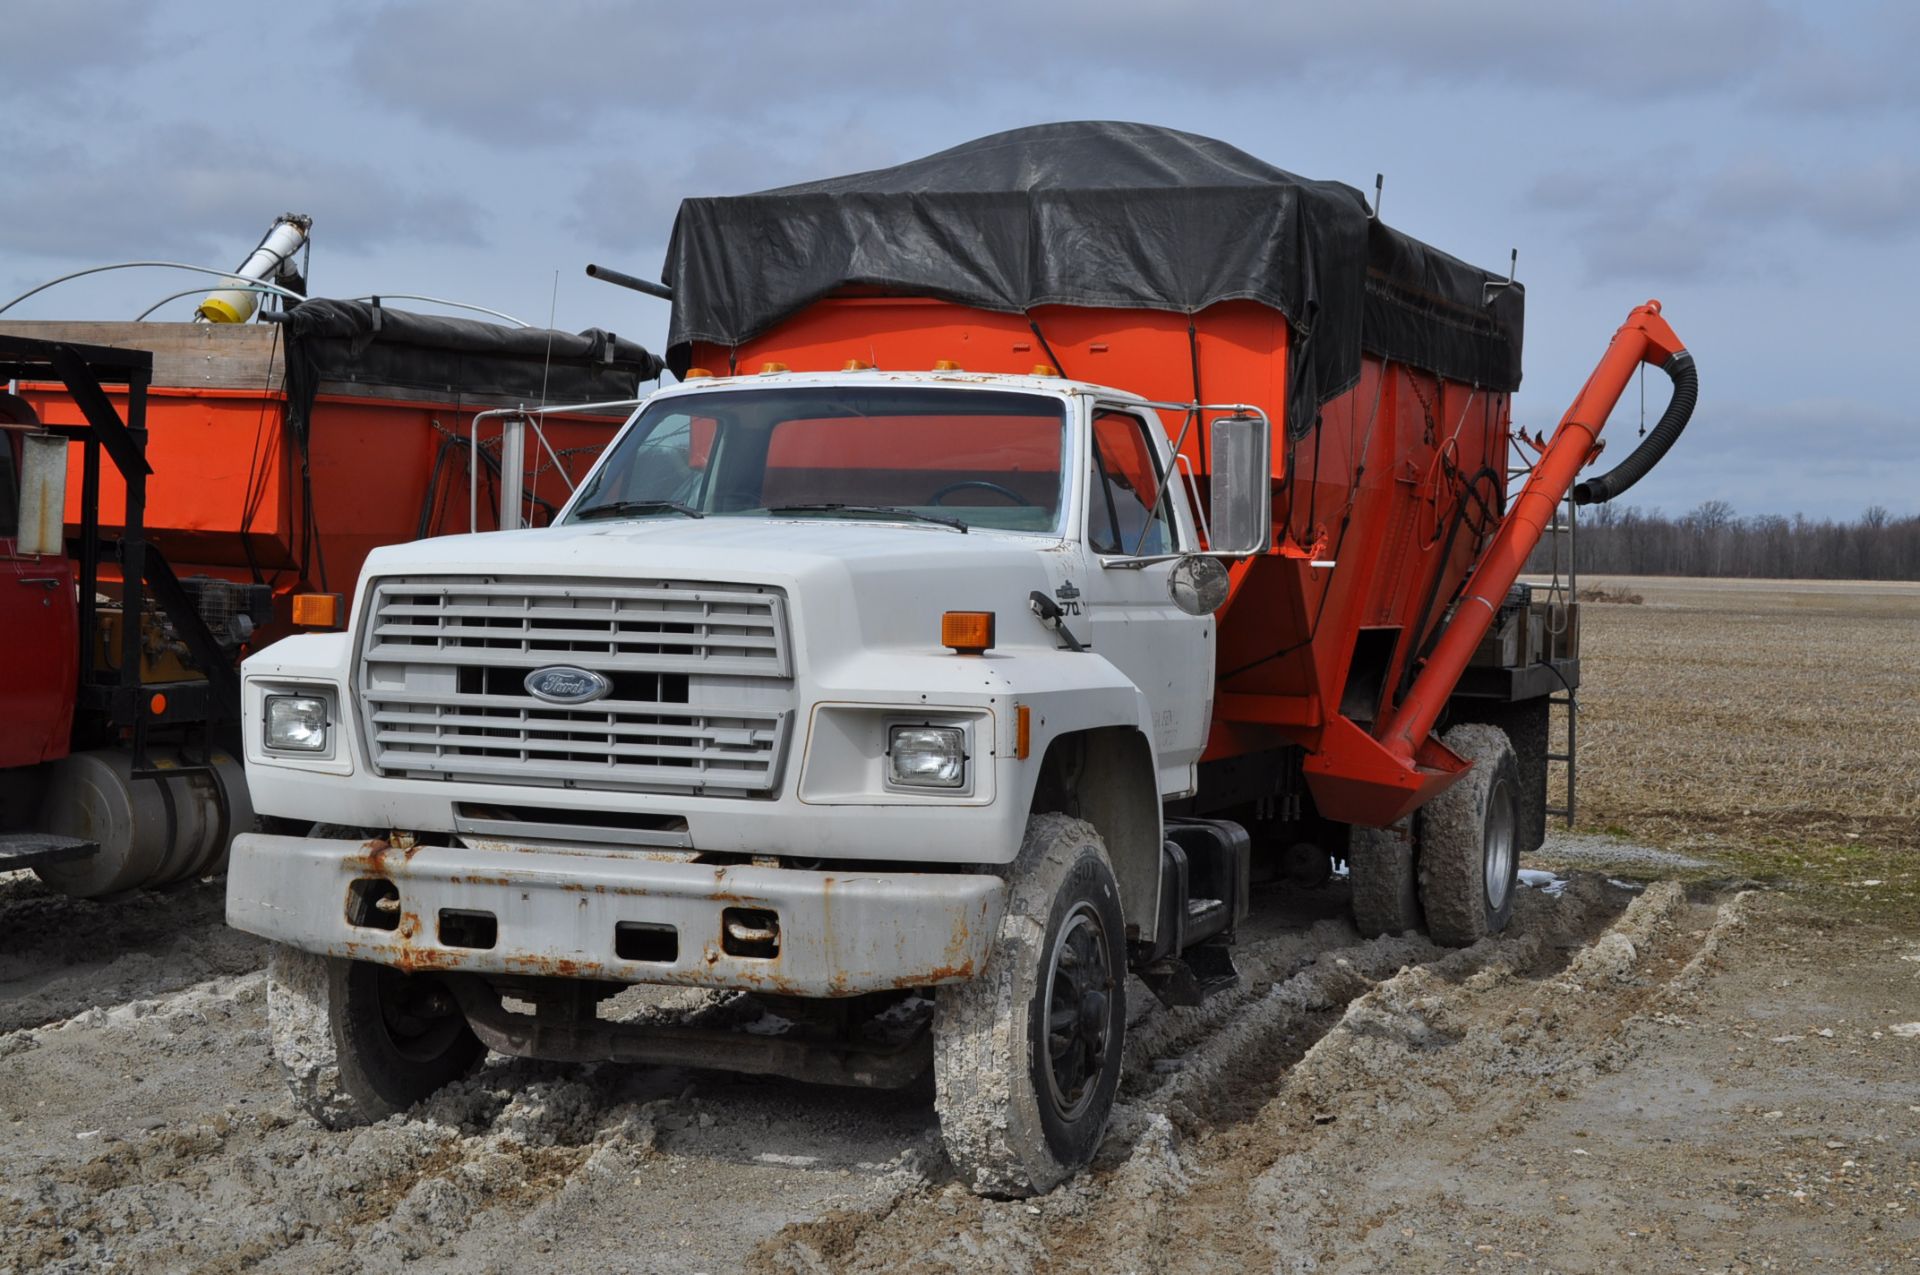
{"x":1713,"y":540}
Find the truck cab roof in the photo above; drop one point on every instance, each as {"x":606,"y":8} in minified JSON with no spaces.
{"x":1025,"y":384}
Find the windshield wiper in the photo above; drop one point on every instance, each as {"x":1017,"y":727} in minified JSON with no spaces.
{"x":617,"y":508}
{"x":888,"y":511}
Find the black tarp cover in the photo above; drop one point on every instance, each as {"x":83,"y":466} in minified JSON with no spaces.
{"x":482,"y":363}
{"x":1106,"y":215}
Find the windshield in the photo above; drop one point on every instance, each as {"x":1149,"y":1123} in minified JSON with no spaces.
{"x":963,"y":458}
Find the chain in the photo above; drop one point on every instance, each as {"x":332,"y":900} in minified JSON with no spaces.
{"x":1426,"y":404}
{"x":492,"y":445}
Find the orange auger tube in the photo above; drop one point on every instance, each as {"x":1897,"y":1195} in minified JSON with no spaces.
{"x":1643,"y":338}
{"x":1374,"y":780}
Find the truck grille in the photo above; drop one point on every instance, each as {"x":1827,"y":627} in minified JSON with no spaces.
{"x":701,"y":696}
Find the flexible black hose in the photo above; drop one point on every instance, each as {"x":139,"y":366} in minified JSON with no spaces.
{"x":1640,"y":462}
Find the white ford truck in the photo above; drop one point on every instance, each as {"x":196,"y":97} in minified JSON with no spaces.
{"x":716,"y":728}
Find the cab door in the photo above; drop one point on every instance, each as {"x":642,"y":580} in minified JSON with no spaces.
{"x":1130,"y":616}
{"x":39,"y":646}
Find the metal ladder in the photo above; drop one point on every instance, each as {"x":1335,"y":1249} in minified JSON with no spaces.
{"x":1567,"y":528}
{"x":1563,"y":532}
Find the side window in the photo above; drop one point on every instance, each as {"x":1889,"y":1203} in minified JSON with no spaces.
{"x":1123,"y":486}
{"x":671,"y":461}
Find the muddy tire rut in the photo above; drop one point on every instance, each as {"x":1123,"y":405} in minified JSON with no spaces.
{"x":155,"y":1132}
{"x":1241,"y":1158}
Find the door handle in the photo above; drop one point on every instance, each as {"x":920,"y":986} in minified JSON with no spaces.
{"x":51,"y":582}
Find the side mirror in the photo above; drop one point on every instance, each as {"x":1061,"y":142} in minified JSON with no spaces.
{"x":1242,"y":485}
{"x":1199,"y":584}
{"x":43,"y":495}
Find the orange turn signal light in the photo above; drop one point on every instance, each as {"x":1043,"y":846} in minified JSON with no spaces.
{"x":1022,"y":732}
{"x":770,"y":367}
{"x":317,"y":610}
{"x":157,"y":705}
{"x":857,"y":365}
{"x":697,"y":374}
{"x":1045,"y":369}
{"x":968,"y":632}
{"x":945,"y":365}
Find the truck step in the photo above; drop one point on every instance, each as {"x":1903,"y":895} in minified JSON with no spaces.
{"x":1208,"y":916}
{"x":1200,"y":972}
{"x":20,"y":850}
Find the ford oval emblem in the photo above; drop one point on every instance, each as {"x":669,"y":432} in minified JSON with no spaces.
{"x":565,"y":684}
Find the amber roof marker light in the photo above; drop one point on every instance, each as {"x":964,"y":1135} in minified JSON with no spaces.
{"x":317,"y":610}
{"x":967,"y":632}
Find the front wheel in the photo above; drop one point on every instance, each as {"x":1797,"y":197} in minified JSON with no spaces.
{"x":358,"y":1042}
{"x":1027,"y":1055}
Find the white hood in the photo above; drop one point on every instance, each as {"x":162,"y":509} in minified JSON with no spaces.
{"x":852,"y":583}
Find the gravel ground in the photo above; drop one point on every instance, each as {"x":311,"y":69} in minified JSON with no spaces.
{"x":1622,"y":1080}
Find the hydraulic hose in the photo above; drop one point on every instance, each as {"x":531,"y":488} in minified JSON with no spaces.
{"x":1640,"y":462}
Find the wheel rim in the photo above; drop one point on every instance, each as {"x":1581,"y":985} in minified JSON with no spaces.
{"x":1498,"y":857}
{"x":420,"y":1015}
{"x":1079,"y":989}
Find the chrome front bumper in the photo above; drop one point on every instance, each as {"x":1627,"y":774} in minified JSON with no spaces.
{"x":555,"y":912}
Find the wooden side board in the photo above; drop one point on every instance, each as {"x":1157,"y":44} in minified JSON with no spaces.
{"x":219,"y":356}
{"x":223,"y":356}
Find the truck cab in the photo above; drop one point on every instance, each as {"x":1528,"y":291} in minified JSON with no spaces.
{"x":774,"y":706}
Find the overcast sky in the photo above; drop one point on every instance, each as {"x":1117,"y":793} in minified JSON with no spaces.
{"x":1755,"y":166}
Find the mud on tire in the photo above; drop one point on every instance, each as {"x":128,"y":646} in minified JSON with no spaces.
{"x":1023,"y":1098}
{"x":358,"y":1042}
{"x":1380,"y":863}
{"x":1470,"y":841}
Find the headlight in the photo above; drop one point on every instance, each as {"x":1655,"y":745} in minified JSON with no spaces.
{"x":927,"y":756}
{"x":297,"y":723}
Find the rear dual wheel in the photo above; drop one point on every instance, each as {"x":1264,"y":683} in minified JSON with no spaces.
{"x":1454,"y":865}
{"x":1470,"y":841}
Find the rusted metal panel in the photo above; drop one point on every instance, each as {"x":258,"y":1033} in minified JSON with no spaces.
{"x":841,"y":934}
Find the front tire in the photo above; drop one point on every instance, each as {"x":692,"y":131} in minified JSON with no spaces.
{"x":1027,"y":1055}
{"x":359,"y":1042}
{"x":1470,"y":841}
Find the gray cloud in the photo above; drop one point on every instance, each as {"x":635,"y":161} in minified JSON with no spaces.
{"x":1639,"y":48}
{"x":575,"y":67}
{"x":188,"y":193}
{"x":629,"y":205}
{"x":45,"y":53}
{"x":1875,"y":200}
{"x":1657,"y":217}
{"x":1857,"y":65}
{"x":572,"y":68}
